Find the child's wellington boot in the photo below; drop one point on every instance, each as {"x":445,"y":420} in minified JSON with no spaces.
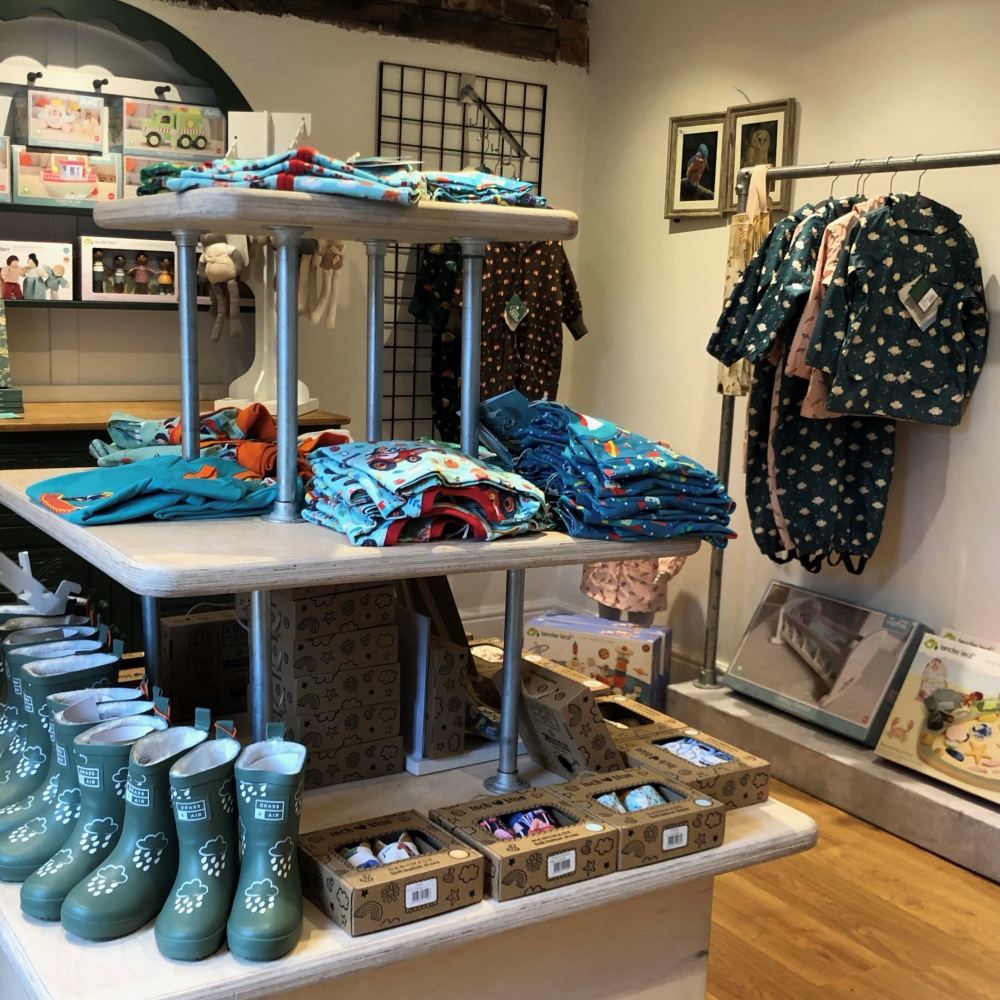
{"x":42,"y":832}
{"x":129,"y":889}
{"x":22,"y":775}
{"x":266,"y":919}
{"x":35,"y":636}
{"x":60,"y":760}
{"x":100,"y":756}
{"x":192,"y":923}
{"x":13,"y":723}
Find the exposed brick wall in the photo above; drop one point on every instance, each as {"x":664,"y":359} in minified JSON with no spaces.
{"x":554,"y":30}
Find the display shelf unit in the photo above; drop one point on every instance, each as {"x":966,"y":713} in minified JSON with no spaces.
{"x":132,"y":305}
{"x":654,"y":927}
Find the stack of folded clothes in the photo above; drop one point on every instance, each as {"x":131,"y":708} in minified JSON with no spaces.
{"x":306,"y":169}
{"x":247,"y":436}
{"x":608,"y":483}
{"x":387,"y":492}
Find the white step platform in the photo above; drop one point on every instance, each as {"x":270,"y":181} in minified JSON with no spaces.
{"x":651,"y":928}
{"x":962,"y":828}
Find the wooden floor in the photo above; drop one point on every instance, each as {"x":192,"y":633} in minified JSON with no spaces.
{"x":862,"y":915}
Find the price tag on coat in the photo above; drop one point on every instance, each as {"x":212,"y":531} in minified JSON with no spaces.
{"x":921,"y":301}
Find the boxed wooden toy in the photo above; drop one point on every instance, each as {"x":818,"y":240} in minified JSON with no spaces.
{"x":631,"y":659}
{"x":425,"y":871}
{"x":37,"y":271}
{"x":656,"y":819}
{"x":64,"y":180}
{"x":705,"y":763}
{"x":533,"y":840}
{"x":120,"y":270}
{"x":354,"y":762}
{"x":300,"y":653}
{"x":181,"y":131}
{"x":339,"y":726}
{"x":628,"y":718}
{"x":307,"y":694}
{"x":318,"y":611}
{"x":4,"y":169}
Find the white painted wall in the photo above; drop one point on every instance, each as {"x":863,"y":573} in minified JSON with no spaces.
{"x":898,"y":77}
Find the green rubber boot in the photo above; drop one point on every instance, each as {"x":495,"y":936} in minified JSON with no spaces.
{"x":26,"y":847}
{"x":100,"y":755}
{"x":15,"y":721}
{"x":60,"y":761}
{"x":130,"y":888}
{"x":192,"y":923}
{"x":22,"y":775}
{"x":266,"y":919}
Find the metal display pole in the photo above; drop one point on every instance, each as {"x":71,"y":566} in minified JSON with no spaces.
{"x":708,"y":676}
{"x":151,"y":638}
{"x":376,"y":250}
{"x":187,"y":305}
{"x":473,"y":252}
{"x":288,"y":240}
{"x":260,"y":663}
{"x":507,"y":779}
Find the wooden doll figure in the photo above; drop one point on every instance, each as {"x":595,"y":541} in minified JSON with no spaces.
{"x":141,"y":274}
{"x":165,"y":276}
{"x":12,"y":274}
{"x":119,"y":275}
{"x":98,"y":272}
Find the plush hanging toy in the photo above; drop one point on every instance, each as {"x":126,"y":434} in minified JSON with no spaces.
{"x":327,"y":261}
{"x":221,"y":264}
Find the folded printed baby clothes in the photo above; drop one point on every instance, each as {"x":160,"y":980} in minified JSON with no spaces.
{"x":388,"y":492}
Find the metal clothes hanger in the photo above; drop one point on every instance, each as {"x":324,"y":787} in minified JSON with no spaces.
{"x":836,"y":177}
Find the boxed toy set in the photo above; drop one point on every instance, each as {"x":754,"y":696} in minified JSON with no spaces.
{"x":836,"y":664}
{"x":37,"y":271}
{"x":5,"y":181}
{"x":63,"y":120}
{"x":184,"y":131}
{"x":946,"y":721}
{"x":388,"y":871}
{"x":116,"y":270}
{"x":65,"y":180}
{"x":704,"y":763}
{"x":656,"y":819}
{"x":533,"y":840}
{"x":631,"y":659}
{"x":132,"y":167}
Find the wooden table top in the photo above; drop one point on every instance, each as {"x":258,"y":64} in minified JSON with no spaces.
{"x":94,"y":416}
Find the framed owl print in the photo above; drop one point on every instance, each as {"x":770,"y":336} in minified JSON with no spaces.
{"x":697,"y":166}
{"x":758,"y":134}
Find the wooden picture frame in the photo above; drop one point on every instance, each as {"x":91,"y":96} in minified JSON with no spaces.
{"x":697,"y":166}
{"x":761,"y":133}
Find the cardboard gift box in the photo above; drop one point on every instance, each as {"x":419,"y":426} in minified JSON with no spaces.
{"x":176,"y":131}
{"x":835,"y":664}
{"x":354,"y":762}
{"x":629,"y":719}
{"x":687,"y":823}
{"x":581,"y":848}
{"x":320,"y":611}
{"x":51,"y":279}
{"x":736,"y":778}
{"x":445,"y":876}
{"x":59,"y":119}
{"x":4,"y":169}
{"x":294,"y":653}
{"x":631,"y":659}
{"x":311,"y":693}
{"x":204,"y":661}
{"x":65,"y":180}
{"x":111,"y":270}
{"x":340,"y":727}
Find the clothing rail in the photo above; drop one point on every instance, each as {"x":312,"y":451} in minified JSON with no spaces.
{"x":708,"y":676}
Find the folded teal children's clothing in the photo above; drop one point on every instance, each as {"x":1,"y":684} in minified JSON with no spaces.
{"x":167,"y":488}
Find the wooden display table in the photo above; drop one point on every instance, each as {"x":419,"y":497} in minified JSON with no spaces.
{"x":642,"y":934}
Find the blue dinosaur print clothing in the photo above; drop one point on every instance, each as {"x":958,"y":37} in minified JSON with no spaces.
{"x":388,"y":492}
{"x":608,"y":483}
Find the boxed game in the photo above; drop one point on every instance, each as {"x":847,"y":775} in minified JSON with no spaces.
{"x":114,"y":269}
{"x":62,"y":120}
{"x":656,"y":819}
{"x":631,"y":659}
{"x":64,"y":180}
{"x":706,"y":764}
{"x":388,"y":871}
{"x":836,"y":664}
{"x":185,"y":131}
{"x":533,"y":840}
{"x":38,"y":271}
{"x":946,"y":721}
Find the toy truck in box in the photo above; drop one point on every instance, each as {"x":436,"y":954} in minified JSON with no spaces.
{"x":184,"y":129}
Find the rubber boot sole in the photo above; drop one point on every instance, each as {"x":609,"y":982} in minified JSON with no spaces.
{"x":190,"y":949}
{"x":257,"y":949}
{"x":92,"y":930}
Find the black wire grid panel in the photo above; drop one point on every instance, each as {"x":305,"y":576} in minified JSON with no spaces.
{"x":421,"y":117}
